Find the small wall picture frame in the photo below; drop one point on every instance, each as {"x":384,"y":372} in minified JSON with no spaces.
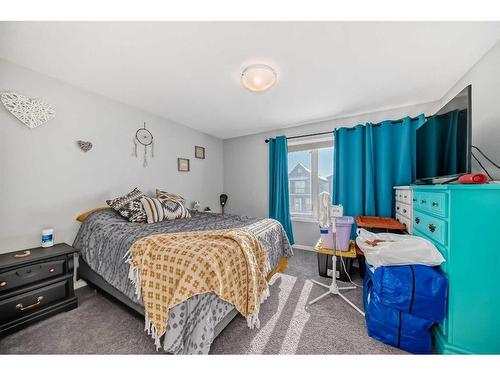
{"x":199,"y":152}
{"x":182,"y":165}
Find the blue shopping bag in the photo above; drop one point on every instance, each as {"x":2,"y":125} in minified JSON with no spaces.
{"x":395,"y":327}
{"x":414,"y":289}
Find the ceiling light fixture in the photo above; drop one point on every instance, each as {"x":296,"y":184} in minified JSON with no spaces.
{"x":258,"y":77}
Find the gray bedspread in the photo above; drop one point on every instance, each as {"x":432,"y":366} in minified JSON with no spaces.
{"x":104,"y":238}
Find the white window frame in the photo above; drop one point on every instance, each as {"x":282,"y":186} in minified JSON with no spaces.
{"x":312,"y":145}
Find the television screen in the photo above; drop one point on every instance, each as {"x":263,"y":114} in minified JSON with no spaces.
{"x":443,"y":141}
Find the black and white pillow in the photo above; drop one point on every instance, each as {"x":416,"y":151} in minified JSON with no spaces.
{"x":129,"y":206}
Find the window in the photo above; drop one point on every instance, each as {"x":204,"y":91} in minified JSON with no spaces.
{"x":300,"y":186}
{"x":310,"y":167}
{"x":299,"y":182}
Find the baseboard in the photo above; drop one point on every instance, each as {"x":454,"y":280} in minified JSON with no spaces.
{"x":303,"y":247}
{"x":80,"y":284}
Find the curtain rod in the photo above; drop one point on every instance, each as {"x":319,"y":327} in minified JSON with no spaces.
{"x":331,"y":131}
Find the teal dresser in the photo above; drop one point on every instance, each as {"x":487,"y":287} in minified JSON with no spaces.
{"x":463,"y":221}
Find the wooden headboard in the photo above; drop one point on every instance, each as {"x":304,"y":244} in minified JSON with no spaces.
{"x":83,"y":216}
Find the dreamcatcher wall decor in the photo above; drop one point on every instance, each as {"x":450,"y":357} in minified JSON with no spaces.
{"x":143,"y":137}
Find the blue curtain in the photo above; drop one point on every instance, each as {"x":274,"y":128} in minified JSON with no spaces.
{"x":279,"y":206}
{"x":369,"y":160}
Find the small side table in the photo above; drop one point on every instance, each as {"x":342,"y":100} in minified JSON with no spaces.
{"x":325,"y":253}
{"x":333,"y":288}
{"x":35,"y":284}
{"x":351,"y":253}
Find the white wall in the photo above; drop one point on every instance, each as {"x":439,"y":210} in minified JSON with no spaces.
{"x":246,"y":165}
{"x":485,"y":79}
{"x":46,"y":180}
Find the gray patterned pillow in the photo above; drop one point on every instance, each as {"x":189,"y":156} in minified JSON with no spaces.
{"x":129,"y":206}
{"x":174,"y":209}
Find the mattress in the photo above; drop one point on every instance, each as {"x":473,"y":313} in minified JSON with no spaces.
{"x":104,"y":238}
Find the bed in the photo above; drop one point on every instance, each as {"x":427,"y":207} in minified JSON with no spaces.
{"x":105,"y":237}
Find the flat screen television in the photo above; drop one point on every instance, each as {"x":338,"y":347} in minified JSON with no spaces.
{"x":443,"y":142}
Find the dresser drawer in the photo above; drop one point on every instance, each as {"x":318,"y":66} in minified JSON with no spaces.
{"x":403,"y":209}
{"x":403,"y":195}
{"x":26,"y":303}
{"x":406,"y":221}
{"x":432,"y":202}
{"x":432,"y":227}
{"x":30,"y":274}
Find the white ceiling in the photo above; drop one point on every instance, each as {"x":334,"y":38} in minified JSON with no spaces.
{"x":189,"y":71}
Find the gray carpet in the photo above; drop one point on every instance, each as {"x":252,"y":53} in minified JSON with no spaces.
{"x":101,"y":325}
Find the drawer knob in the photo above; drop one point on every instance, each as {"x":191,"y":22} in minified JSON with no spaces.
{"x":3,"y":283}
{"x":404,"y":210}
{"x":20,"y":306}
{"x":397,"y":208}
{"x":406,"y":196}
{"x":414,"y":199}
{"x":422,"y":201}
{"x":432,"y":228}
{"x":417,"y":220}
{"x":51,"y":270}
{"x":434,"y":204}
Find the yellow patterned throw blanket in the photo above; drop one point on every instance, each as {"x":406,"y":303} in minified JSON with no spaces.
{"x":167,"y":269}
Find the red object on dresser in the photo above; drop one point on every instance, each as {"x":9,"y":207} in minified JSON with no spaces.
{"x":473,"y":178}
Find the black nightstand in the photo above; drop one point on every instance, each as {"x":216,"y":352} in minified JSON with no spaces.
{"x":35,"y":284}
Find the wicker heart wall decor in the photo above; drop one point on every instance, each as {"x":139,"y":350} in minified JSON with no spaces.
{"x":32,"y":112}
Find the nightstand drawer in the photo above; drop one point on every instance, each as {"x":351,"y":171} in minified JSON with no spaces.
{"x":32,"y":301}
{"x":30,"y":274}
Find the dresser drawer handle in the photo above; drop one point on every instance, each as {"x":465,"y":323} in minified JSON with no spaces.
{"x":414,"y":199}
{"x":404,"y":210}
{"x":3,"y":283}
{"x":51,"y":270}
{"x":417,"y":220}
{"x":423,"y":201}
{"x":25,"y":253}
{"x":397,"y":208}
{"x":432,"y":228}
{"x":434,"y":204}
{"x":22,"y":308}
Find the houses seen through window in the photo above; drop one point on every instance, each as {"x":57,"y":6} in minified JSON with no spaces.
{"x":309,"y":173}
{"x":299,"y":182}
